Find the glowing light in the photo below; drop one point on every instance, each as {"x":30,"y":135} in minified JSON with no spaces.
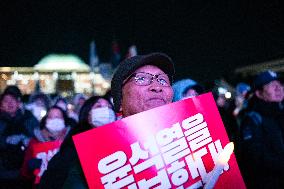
{"x":15,"y":75}
{"x":35,"y":76}
{"x":222,"y":90}
{"x":25,"y":81}
{"x":228,"y":94}
{"x":106,"y":85}
{"x":98,"y":78}
{"x":42,"y":113}
{"x":225,"y":155}
{"x":11,"y":82}
{"x":223,"y":159}
{"x":61,"y":62}
{"x":55,"y":75}
{"x":74,"y":75}
{"x":4,"y":76}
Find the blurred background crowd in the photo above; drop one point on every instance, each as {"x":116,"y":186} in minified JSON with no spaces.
{"x":252,"y":114}
{"x":55,"y":78}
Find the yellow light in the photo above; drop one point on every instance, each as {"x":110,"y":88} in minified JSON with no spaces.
{"x":4,"y":76}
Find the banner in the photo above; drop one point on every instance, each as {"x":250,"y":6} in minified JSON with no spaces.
{"x":44,"y":151}
{"x":172,"y":146}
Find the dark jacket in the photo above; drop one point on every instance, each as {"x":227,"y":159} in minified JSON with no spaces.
{"x":75,"y":178}
{"x":60,"y":166}
{"x":263,"y":146}
{"x":12,"y":155}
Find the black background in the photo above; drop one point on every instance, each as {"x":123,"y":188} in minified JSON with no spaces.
{"x":207,"y":39}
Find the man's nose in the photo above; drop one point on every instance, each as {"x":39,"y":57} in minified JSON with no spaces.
{"x":155,"y":86}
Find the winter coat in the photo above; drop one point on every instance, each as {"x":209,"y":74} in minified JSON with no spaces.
{"x":44,"y":146}
{"x":263,"y":146}
{"x":60,"y":165}
{"x":20,"y":128}
{"x":75,"y":178}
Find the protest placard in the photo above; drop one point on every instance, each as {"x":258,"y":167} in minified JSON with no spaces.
{"x":172,"y":146}
{"x":43,"y":151}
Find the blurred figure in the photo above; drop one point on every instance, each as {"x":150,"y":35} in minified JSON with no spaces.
{"x":186,"y":88}
{"x":53,"y":128}
{"x":78,"y":101}
{"x":16,"y":129}
{"x":65,"y":106}
{"x":61,"y":102}
{"x":95,"y":112}
{"x":263,"y":134}
{"x":225,"y":106}
{"x":242,"y":91}
{"x":192,"y":91}
{"x":39,"y":103}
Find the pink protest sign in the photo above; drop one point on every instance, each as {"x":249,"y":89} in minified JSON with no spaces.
{"x":173,"y":146}
{"x":40,"y":150}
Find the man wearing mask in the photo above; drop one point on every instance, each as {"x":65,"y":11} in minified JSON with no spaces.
{"x":263,"y":134}
{"x":140,"y":83}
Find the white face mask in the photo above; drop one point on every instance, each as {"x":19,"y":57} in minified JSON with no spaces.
{"x":55,"y":125}
{"x":102,"y":116}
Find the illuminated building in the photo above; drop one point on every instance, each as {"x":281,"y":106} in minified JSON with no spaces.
{"x":58,"y":73}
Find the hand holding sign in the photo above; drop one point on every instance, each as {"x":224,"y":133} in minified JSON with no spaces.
{"x":223,"y":159}
{"x":160,"y":147}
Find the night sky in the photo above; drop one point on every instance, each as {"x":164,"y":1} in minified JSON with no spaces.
{"x":207,"y":39}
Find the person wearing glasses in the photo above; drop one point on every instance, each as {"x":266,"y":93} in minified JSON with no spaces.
{"x":142,"y":82}
{"x":139,"y":83}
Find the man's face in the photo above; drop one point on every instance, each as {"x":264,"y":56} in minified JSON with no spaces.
{"x":272,"y":92}
{"x":136,"y":98}
{"x":9,"y":104}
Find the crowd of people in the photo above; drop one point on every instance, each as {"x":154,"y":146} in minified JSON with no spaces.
{"x":254,"y":121}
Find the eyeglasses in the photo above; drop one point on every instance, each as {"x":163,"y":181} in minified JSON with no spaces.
{"x":144,"y":79}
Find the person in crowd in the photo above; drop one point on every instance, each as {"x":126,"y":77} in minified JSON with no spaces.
{"x":95,"y":112}
{"x":16,"y":128}
{"x":63,"y":104}
{"x":186,"y":88}
{"x":38,"y":104}
{"x":53,"y":128}
{"x":78,"y":101}
{"x":140,"y":83}
{"x":225,"y":107}
{"x":262,"y":132}
{"x":242,"y":94}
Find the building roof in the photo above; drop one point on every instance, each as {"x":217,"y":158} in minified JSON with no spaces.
{"x":61,"y":63}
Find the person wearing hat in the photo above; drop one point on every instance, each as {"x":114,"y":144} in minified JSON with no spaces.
{"x":139,"y":83}
{"x":186,"y":88}
{"x":142,"y":82}
{"x":16,"y":128}
{"x":262,"y":131}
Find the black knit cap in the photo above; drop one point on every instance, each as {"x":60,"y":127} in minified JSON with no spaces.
{"x":129,"y":65}
{"x":14,"y":91}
